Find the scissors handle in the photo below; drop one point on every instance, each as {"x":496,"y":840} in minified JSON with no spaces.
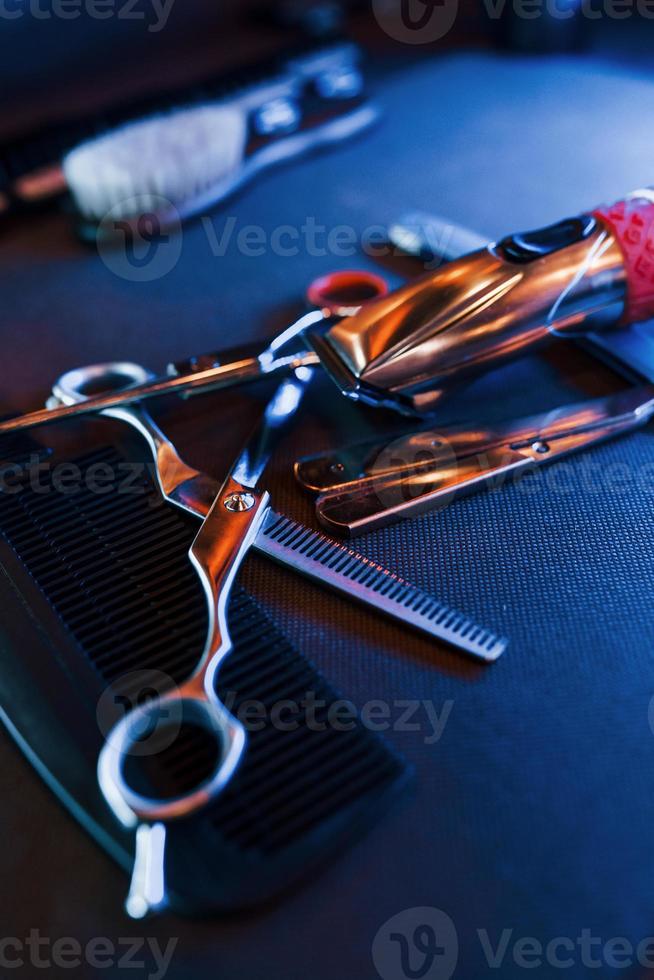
{"x":158,"y":723}
{"x":217,"y":552}
{"x":177,"y":480}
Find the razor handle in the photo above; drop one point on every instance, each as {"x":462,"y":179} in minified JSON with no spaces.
{"x":578,"y":276}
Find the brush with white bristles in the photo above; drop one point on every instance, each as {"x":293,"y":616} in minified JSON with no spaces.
{"x":170,"y":165}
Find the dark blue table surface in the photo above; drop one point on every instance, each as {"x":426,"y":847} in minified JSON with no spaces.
{"x":534,"y":810}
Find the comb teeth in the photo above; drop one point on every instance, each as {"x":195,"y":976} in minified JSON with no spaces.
{"x":292,"y":780}
{"x":331,"y":562}
{"x":115,"y":568}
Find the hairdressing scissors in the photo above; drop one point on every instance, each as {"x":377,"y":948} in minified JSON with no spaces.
{"x":315,"y":556}
{"x":232,"y":516}
{"x":236,"y":516}
{"x":228,"y":530}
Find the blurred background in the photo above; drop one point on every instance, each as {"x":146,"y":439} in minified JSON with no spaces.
{"x":60,"y":57}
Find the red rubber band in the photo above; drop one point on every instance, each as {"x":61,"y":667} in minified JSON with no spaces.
{"x":632,"y":223}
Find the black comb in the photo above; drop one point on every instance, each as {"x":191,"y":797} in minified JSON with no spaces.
{"x":108,"y":575}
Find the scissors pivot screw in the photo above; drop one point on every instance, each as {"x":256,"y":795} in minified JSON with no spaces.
{"x":540,"y":447}
{"x":239,"y":501}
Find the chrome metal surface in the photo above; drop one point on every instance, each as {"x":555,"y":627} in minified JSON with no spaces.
{"x":404,"y":349}
{"x":375,"y":484}
{"x":469,"y":316}
{"x":216,"y":554}
{"x":234,"y":519}
{"x":147,"y":890}
{"x":223,"y":376}
{"x":310,"y":553}
{"x":239,"y":501}
{"x":231,"y":518}
{"x":285,"y":353}
{"x":230,"y":523}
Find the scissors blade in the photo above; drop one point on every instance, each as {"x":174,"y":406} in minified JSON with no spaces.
{"x":286,"y":353}
{"x":331,"y":564}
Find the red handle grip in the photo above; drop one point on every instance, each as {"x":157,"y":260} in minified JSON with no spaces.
{"x":632,"y":223}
